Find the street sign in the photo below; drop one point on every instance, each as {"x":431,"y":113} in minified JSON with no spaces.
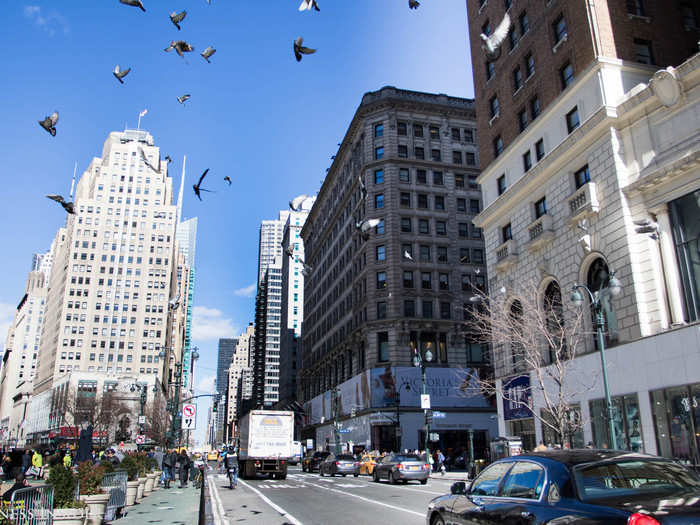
{"x":189,"y":416}
{"x":438,"y":415}
{"x":309,"y":444}
{"x":142,"y":420}
{"x":343,"y":430}
{"x":140,"y":439}
{"x":425,"y":401}
{"x":434,"y":436}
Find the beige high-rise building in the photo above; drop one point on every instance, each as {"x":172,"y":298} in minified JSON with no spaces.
{"x":107,"y":305}
{"x":240,"y":362}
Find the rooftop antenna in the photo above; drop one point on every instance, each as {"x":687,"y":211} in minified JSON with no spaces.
{"x":142,"y":114}
{"x":182,"y":187}
{"x":72,"y":184}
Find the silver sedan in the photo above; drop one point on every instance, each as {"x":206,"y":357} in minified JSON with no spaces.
{"x":342,"y":464}
{"x":402,"y":467}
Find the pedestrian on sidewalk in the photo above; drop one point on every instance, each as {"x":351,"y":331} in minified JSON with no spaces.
{"x":20,"y":483}
{"x":184,"y":461}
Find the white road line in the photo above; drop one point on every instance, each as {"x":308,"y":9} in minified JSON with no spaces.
{"x":279,"y":509}
{"x":217,"y":507}
{"x":421,"y":514}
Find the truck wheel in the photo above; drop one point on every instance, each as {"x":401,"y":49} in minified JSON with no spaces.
{"x":392,"y":479}
{"x":375,"y":477}
{"x":344,"y":475}
{"x":283,"y":476}
{"x":355,"y":475}
{"x":320,"y":472}
{"x":423,"y":481}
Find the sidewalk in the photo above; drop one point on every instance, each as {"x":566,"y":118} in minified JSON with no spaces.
{"x":165,"y":506}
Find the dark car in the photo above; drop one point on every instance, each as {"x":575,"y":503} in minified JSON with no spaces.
{"x":585,"y":487}
{"x":312,"y":461}
{"x":342,"y":464}
{"x":401,"y":467}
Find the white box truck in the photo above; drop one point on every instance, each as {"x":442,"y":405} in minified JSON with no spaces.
{"x":266,"y":443}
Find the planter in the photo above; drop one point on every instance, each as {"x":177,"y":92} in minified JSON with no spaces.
{"x":69,"y":516}
{"x":142,"y":485}
{"x":97,"y":505}
{"x":148,"y":488}
{"x":131,"y":490}
{"x":156,"y":479}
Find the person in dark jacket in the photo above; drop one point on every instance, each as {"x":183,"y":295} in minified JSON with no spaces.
{"x":184,"y":461}
{"x":20,"y":483}
{"x":26,"y":460}
{"x":169,"y":459}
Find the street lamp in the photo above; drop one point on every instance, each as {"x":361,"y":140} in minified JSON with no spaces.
{"x":611,"y":288}
{"x":174,"y":406}
{"x":407,"y":386}
{"x":420,"y":361}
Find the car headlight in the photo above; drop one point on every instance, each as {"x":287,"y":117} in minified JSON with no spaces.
{"x":431,"y":505}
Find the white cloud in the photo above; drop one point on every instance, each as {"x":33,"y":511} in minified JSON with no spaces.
{"x":207,"y":384}
{"x":248,"y":291}
{"x":210,"y":324}
{"x":7,"y":316}
{"x":50,"y":22}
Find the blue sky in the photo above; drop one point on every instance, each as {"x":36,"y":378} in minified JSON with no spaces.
{"x":255,"y":114}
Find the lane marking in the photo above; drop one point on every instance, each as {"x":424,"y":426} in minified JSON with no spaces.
{"x":421,"y":514}
{"x":267,"y":500}
{"x":217,"y":508}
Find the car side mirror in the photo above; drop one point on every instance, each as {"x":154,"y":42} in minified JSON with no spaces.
{"x":459,"y":488}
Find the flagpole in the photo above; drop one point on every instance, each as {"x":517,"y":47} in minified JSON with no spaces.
{"x":138,"y":126}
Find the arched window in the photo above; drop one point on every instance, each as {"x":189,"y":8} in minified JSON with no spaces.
{"x":597,"y":279}
{"x":554,"y":319}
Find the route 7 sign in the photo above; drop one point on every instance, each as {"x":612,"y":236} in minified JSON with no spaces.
{"x":189,"y":416}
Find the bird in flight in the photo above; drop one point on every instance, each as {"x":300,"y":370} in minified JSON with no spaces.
{"x":407,"y":255}
{"x":299,"y":49}
{"x":296,"y":202}
{"x":228,"y":179}
{"x":167,"y":157}
{"x":183,"y":99}
{"x":197,"y":187}
{"x":208,"y":52}
{"x":307,"y":5}
{"x":290,"y":251}
{"x":180,"y":46}
{"x":49,"y":123}
{"x":365,"y":226}
{"x":68,"y":206}
{"x":145,"y":160}
{"x":491,"y":44}
{"x":120,"y":73}
{"x":413,"y":4}
{"x":176,"y":18}
{"x":134,"y":3}
{"x":363,"y":188}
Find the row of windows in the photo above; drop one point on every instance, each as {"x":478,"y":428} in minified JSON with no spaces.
{"x":423,"y":200}
{"x":466,"y":255}
{"x":421,"y":177}
{"x":433,"y":131}
{"x":409,"y":309}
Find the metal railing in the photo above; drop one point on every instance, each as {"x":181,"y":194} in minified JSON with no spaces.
{"x":30,"y":506}
{"x":116,"y":483}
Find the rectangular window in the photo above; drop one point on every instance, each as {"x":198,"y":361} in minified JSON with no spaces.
{"x":426,"y":280}
{"x":434,"y":132}
{"x":417,"y":130}
{"x":401,"y":128}
{"x":501,"y":184}
{"x":435,"y":155}
{"x":379,"y":176}
{"x":406,"y":224}
{"x":407,"y":279}
{"x":440,"y":227}
{"x":582,"y":176}
{"x":643,"y":52}
{"x":529,"y":65}
{"x":439,"y":202}
{"x":381,"y":280}
{"x":407,"y":251}
{"x":421,"y":177}
{"x":635,"y":7}
{"x":379,"y":153}
{"x":423,"y":226}
{"x":539,"y":149}
{"x":455,"y":134}
{"x":419,"y":152}
{"x":506,"y":233}
{"x":540,"y":207}
{"x":464,"y":256}
{"x":445,"y":310}
{"x":559,"y":29}
{"x":459,"y":180}
{"x":517,"y":79}
{"x":427,"y":309}
{"x":381,"y":310}
{"x":572,"y":120}
{"x":512,"y":38}
{"x":522,"y":120}
{"x":690,"y":21}
{"x":403,"y":175}
{"x":382,"y":346}
{"x":524,"y":23}
{"x":444,"y":281}
{"x":424,"y":252}
{"x":409,"y":308}
{"x":462,"y":205}
{"x":527,"y":161}
{"x":380,"y":227}
{"x":456,"y":157}
{"x":566,"y":75}
{"x":423,"y":201}
{"x":463,"y":229}
{"x":474,"y":206}
{"x":381,"y":253}
{"x":379,"y":200}
{"x":405,"y":200}
{"x":470,"y":158}
{"x":469,"y":135}
{"x":379,"y":130}
{"x":402,"y":151}
{"x":478,"y":256}
{"x":493,"y":106}
{"x":442,"y":254}
{"x":685,"y":225}
{"x":497,"y":146}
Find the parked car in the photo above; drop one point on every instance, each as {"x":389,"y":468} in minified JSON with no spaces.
{"x":213,"y":456}
{"x":591,"y":487}
{"x":342,"y":464}
{"x":312,"y":461}
{"x":401,"y":467}
{"x":367,"y":463}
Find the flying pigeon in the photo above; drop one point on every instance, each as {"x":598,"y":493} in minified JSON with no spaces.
{"x":492,"y":43}
{"x":49,"y":123}
{"x":363,"y":188}
{"x":183,"y":98}
{"x":208,"y":52}
{"x":407,"y":255}
{"x":68,"y":206}
{"x":120,"y":73}
{"x":176,"y":18}
{"x":299,"y":49}
{"x":290,"y":251}
{"x":413,"y":4}
{"x":367,"y":225}
{"x":134,"y":3}
{"x":167,"y":157}
{"x":296,"y":202}
{"x":174,"y":303}
{"x":145,"y":160}
{"x":180,"y":46}
{"x":307,"y":5}
{"x":196,"y":187}
{"x":228,"y":179}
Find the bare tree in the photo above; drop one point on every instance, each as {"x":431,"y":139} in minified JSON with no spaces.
{"x":102,"y":413}
{"x":531,"y":333}
{"x":157,"y":419}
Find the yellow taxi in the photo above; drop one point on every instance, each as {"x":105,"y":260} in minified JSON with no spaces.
{"x":367,"y":463}
{"x":213,"y":456}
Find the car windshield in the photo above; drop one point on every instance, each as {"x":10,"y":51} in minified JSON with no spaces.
{"x":346,"y":457}
{"x":321,"y":454}
{"x":633,"y":477}
{"x":409,"y":457}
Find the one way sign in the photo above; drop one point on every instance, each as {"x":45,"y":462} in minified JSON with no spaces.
{"x":189,"y":416}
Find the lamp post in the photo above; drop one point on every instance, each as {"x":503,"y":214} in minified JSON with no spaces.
{"x":174,"y":405}
{"x":398,"y":431}
{"x":612,"y":288}
{"x":334,"y":405}
{"x":420,"y":361}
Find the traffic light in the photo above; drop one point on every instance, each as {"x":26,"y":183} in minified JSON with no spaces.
{"x":215,"y":407}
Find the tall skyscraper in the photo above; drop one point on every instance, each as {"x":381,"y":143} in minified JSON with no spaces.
{"x":270,"y":246}
{"x":227,"y":347}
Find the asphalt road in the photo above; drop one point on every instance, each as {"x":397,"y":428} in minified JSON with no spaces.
{"x":308,"y":499}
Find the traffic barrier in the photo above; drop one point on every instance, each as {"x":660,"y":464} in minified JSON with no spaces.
{"x":31,"y":506}
{"x":115,"y":482}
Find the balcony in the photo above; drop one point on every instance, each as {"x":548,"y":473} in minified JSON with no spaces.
{"x":506,"y":255}
{"x":540,"y":232}
{"x":583,"y":203}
